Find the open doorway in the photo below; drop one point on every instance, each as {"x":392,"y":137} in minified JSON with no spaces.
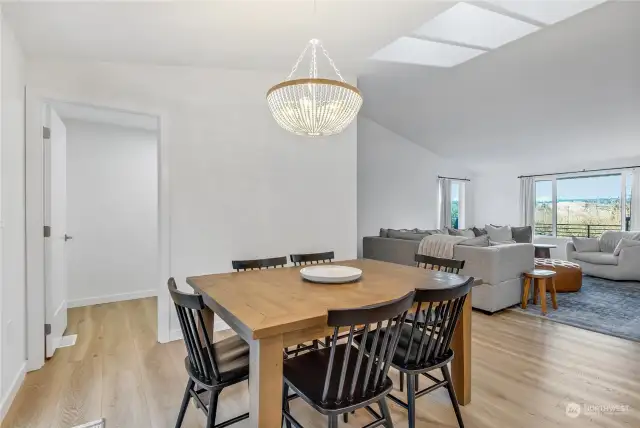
{"x":100,"y":194}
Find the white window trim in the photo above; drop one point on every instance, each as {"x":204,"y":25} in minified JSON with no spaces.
{"x":553,"y":178}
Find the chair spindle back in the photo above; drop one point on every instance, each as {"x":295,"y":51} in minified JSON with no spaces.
{"x":372,"y":378}
{"x":244,"y":265}
{"x":199,"y":350}
{"x":311,"y":258}
{"x":439,"y":264}
{"x":431,"y":341}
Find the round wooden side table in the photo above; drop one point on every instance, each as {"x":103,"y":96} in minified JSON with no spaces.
{"x":541,"y":279}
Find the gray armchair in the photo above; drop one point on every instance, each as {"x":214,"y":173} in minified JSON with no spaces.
{"x":603,"y":263}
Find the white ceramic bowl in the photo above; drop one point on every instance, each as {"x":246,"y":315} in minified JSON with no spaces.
{"x":330,"y":274}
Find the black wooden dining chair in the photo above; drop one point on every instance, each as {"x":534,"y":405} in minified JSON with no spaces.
{"x":311,"y":258}
{"x":439,"y":264}
{"x":245,"y":265}
{"x":343,"y":378}
{"x":211,"y":366}
{"x":424,"y":348}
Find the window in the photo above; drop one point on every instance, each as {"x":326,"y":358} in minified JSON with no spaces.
{"x":457,"y":204}
{"x":583,"y":206}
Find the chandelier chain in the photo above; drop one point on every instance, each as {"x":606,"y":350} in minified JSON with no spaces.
{"x":324,"y":51}
{"x":313,"y":67}
{"x":295,"y":66}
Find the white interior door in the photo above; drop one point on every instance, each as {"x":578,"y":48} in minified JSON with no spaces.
{"x":55,"y":215}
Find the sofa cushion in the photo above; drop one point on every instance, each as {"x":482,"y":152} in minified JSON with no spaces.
{"x":609,"y":239}
{"x":443,"y":231}
{"x":584,"y":245}
{"x":461,"y":232}
{"x":405,"y":234}
{"x":499,"y":233}
{"x":478,"y":241}
{"x":625,"y":243}
{"x":384,"y":233}
{"x":597,"y":258}
{"x":495,"y":243}
{"x":479,"y":232}
{"x":522,"y":235}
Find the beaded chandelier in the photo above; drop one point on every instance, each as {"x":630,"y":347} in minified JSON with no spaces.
{"x":314,"y":106}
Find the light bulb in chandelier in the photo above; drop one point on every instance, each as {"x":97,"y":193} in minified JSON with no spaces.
{"x":314,"y":106}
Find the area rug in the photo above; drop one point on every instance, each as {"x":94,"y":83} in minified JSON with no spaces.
{"x":608,"y":307}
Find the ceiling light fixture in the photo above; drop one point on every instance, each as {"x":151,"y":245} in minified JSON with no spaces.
{"x":314,"y":106}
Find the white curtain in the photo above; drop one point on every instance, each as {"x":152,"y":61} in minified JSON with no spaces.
{"x":444,"y":203}
{"x":635,"y":199}
{"x":527,"y":201}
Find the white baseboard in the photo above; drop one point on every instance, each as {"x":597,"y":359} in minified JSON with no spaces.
{"x":98,"y":300}
{"x":218,"y":325}
{"x":13,"y":391}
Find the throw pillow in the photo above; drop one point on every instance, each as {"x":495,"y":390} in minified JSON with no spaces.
{"x":438,"y":231}
{"x":479,"y":232}
{"x":478,"y":241}
{"x":461,"y":232}
{"x":584,"y":245}
{"x":522,"y":235}
{"x":383,"y":233}
{"x":625,"y":243}
{"x":495,"y":243}
{"x":405,"y":234}
{"x":499,"y":233}
{"x":426,"y":232}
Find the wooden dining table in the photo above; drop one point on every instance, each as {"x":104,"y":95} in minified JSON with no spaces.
{"x":275,"y":308}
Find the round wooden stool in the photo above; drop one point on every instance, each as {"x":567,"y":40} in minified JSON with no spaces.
{"x":540,"y":279}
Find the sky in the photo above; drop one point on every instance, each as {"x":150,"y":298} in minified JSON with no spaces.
{"x":582,"y":188}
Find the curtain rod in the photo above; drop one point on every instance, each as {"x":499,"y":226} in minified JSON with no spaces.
{"x":577,"y":172}
{"x":454,"y":178}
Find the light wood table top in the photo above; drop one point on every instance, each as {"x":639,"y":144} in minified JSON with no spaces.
{"x":275,"y":308}
{"x":273,"y":301}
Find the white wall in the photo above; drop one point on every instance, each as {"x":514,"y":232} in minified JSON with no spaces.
{"x":497,"y":194}
{"x":12,"y":223}
{"x":398,"y":182}
{"x":112,"y":212}
{"x":240,"y":186}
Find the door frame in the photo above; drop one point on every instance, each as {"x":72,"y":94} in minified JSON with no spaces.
{"x":34,"y":182}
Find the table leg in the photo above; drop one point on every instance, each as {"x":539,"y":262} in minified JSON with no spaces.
{"x":461,"y":364}
{"x":265,"y":382}
{"x":554,"y":297}
{"x":543,"y":295}
{"x":207,"y":317}
{"x":525,"y":292}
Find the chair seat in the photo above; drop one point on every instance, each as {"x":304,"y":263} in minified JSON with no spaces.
{"x":403,"y":346}
{"x":306,"y":374}
{"x":232,"y":357}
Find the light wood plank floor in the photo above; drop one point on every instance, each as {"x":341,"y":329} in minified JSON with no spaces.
{"x":525,"y":371}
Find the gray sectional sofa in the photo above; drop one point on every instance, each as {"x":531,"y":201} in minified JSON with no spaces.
{"x":500,"y":266}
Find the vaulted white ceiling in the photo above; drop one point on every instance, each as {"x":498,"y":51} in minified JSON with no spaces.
{"x":568,"y":94}
{"x":253,"y":34}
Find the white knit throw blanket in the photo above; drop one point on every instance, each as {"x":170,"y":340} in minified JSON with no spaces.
{"x":439,"y":245}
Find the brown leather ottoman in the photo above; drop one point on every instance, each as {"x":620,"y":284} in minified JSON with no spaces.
{"x":568,"y":274}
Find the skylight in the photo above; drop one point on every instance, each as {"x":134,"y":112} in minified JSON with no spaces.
{"x":423,"y":52}
{"x":473,"y":26}
{"x":466,"y":30}
{"x":546,"y":11}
